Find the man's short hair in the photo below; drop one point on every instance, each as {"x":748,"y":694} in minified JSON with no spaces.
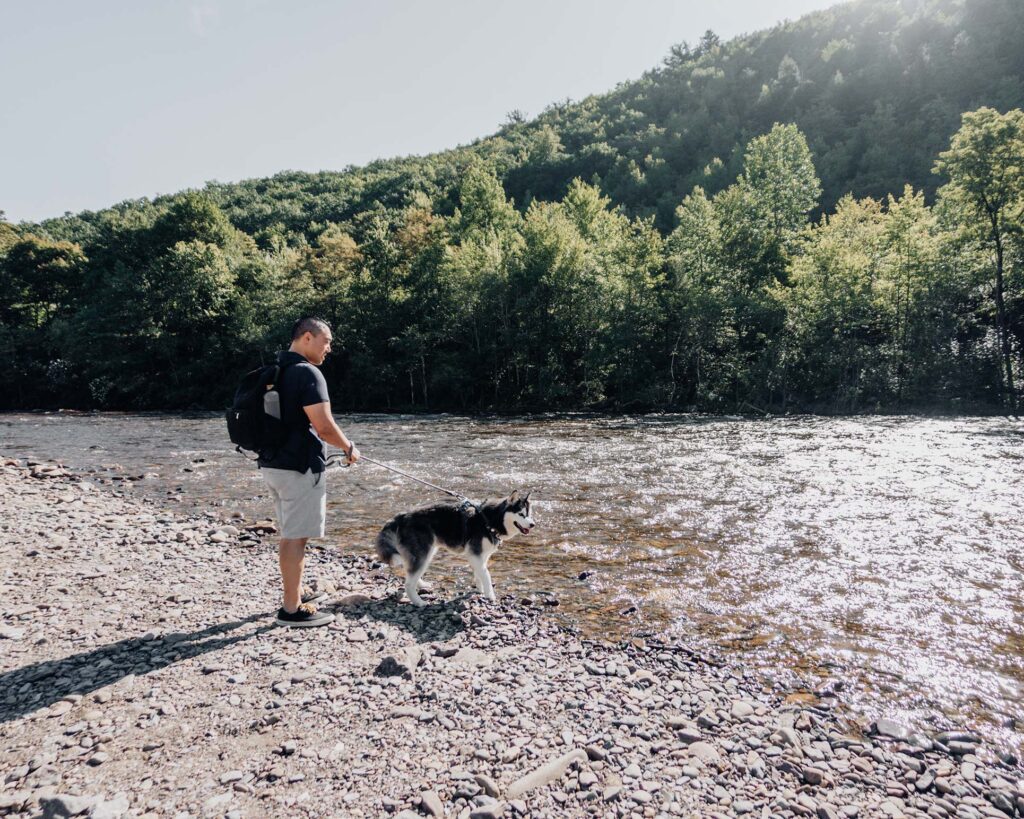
{"x":309,"y":324}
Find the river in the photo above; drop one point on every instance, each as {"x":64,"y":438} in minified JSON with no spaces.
{"x":882,"y":556}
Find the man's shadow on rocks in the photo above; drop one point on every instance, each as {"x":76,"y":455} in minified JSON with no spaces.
{"x":435,"y":622}
{"x":41,"y":684}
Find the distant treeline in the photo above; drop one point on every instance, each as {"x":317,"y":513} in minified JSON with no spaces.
{"x":665,"y":245}
{"x":745,"y":304}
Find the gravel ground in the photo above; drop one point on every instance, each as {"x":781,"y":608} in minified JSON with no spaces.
{"x":142,"y":675}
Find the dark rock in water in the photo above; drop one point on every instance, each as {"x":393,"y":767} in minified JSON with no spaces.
{"x":584,"y":575}
{"x":890,"y":728}
{"x":628,"y":610}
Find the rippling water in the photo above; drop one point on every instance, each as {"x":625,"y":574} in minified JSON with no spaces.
{"x":885,"y":553}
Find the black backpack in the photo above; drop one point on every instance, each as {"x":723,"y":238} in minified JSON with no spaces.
{"x":254,"y":418}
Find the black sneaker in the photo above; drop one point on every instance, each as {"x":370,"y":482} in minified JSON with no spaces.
{"x":305,"y":615}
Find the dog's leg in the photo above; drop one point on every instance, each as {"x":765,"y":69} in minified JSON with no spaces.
{"x":412,"y":582}
{"x":413,"y":578}
{"x":483,"y":577}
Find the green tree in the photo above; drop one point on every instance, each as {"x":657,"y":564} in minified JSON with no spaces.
{"x":985,"y":166}
{"x":777,"y":191}
{"x":835,"y":333}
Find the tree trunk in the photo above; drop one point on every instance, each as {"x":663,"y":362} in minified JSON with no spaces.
{"x":1003,"y":330}
{"x":423,"y":375}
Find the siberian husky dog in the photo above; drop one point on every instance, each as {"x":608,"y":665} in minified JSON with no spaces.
{"x":413,"y":538}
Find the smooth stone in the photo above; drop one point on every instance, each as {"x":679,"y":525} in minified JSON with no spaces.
{"x":611,"y":793}
{"x":488,"y":784}
{"x":1001,"y":801}
{"x":355,"y":600}
{"x":546,"y":773}
{"x":704,"y":751}
{"x":945,"y":737}
{"x":891,"y":728}
{"x":431,"y":803}
{"x":741,"y":709}
{"x":788,"y":736}
{"x":471,"y":657}
{"x":111,"y":809}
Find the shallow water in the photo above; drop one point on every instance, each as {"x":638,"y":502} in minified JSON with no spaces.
{"x":883,"y":553}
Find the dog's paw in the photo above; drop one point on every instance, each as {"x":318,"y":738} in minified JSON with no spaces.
{"x":417,"y":601}
{"x":424,"y":586}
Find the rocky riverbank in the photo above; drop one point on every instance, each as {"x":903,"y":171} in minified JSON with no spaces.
{"x":141,"y":675}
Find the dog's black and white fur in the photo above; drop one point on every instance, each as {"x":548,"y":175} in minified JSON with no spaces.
{"x":412,"y":539}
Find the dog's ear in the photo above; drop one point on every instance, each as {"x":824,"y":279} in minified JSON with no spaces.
{"x":514,"y":496}
{"x":526,"y":497}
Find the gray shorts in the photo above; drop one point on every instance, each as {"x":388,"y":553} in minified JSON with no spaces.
{"x":300,"y":500}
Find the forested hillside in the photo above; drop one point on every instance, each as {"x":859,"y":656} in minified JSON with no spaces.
{"x":802,"y":218}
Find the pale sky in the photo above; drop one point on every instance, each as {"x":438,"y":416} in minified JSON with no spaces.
{"x":107,"y":100}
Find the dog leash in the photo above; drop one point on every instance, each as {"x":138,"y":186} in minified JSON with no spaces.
{"x":338,"y":459}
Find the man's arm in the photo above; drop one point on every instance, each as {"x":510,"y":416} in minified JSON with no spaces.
{"x":323,"y":422}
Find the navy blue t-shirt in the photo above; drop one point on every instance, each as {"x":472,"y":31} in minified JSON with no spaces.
{"x":300,"y":385}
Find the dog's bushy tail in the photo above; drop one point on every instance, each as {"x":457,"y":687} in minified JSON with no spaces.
{"x":386,"y":551}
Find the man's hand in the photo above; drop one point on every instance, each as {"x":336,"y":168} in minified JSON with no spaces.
{"x":352,"y":455}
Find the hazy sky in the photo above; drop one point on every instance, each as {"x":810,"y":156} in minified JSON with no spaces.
{"x":106,"y":100}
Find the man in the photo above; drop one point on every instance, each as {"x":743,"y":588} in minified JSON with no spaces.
{"x":296,"y":471}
